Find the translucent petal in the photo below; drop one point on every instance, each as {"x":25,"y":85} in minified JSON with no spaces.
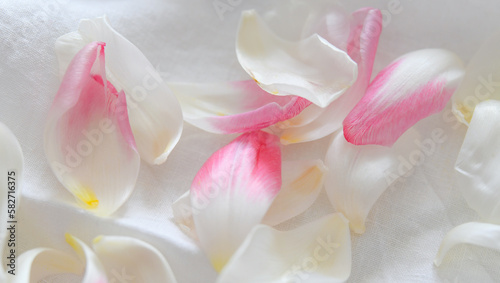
{"x":94,"y":270}
{"x":316,"y":252}
{"x":481,"y":81}
{"x":88,"y":140}
{"x":155,"y":114}
{"x":478,"y":160}
{"x":131,"y":260}
{"x":474,"y":233}
{"x":233,"y":190}
{"x":302,"y":183}
{"x":358,"y":175}
{"x":234,"y":107}
{"x":311,"y":68}
{"x":411,"y":88}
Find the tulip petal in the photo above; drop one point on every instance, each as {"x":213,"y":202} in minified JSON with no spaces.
{"x":94,"y":270}
{"x":233,"y":190}
{"x":234,"y":107}
{"x":183,"y":215}
{"x":11,"y":166}
{"x":304,"y":68}
{"x":155,"y":115}
{"x":130,"y":260}
{"x":411,"y":88}
{"x":88,"y":140}
{"x":481,"y":80}
{"x":358,"y":175}
{"x":316,"y":252}
{"x":37,"y":264}
{"x":302,"y":183}
{"x":475,"y":233}
{"x":478,"y":160}
{"x":361,"y":45}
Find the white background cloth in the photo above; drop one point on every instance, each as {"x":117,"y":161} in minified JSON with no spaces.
{"x":190,"y":42}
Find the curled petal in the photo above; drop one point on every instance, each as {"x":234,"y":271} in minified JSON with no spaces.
{"x":183,"y":215}
{"x":311,"y":68}
{"x":358,"y":175}
{"x":37,"y":264}
{"x":302,"y":183}
{"x":234,"y":107}
{"x":316,"y":252}
{"x":411,"y":88}
{"x":155,"y":114}
{"x":364,"y":28}
{"x":88,"y":140}
{"x":478,"y":160}
{"x":481,"y":81}
{"x":474,"y":233}
{"x":130,"y":259}
{"x":232,"y":192}
{"x":94,"y":270}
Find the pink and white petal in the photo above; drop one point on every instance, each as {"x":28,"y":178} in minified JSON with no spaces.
{"x":316,"y":122}
{"x":132,"y":260}
{"x":94,"y":270}
{"x":311,"y":68}
{"x":155,"y":114}
{"x":37,"y":264}
{"x":411,"y":88}
{"x":316,"y":252}
{"x":88,"y":140}
{"x":478,"y":161}
{"x":358,"y":175}
{"x":234,"y":107}
{"x":479,"y":234}
{"x":183,"y":215}
{"x":11,"y":166}
{"x":302,"y":183}
{"x":481,"y":80}
{"x":232,"y":192}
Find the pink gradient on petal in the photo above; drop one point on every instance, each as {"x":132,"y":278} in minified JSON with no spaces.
{"x":268,"y":110}
{"x":370,"y":123}
{"x":249,"y":166}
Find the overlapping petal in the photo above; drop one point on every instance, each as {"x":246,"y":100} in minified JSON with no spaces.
{"x":479,"y":234}
{"x":316,"y":252}
{"x":234,"y":107}
{"x":311,"y":68}
{"x":233,"y":190}
{"x":481,"y":81}
{"x":358,"y":175}
{"x":88,"y":141}
{"x":364,"y":27}
{"x":155,"y":114}
{"x":132,"y":260}
{"x":478,"y":161}
{"x":411,"y":88}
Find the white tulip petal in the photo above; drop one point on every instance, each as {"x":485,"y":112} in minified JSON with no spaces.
{"x":358,"y":175}
{"x":234,"y":107}
{"x":481,"y":81}
{"x":131,"y":260}
{"x":478,"y":160}
{"x":183,"y":215}
{"x":316,"y":252}
{"x":11,"y":166}
{"x":37,"y":264}
{"x":474,"y":233}
{"x":155,"y":115}
{"x":302,"y":182}
{"x":311,"y":68}
{"x":88,"y":140}
{"x":94,"y":270}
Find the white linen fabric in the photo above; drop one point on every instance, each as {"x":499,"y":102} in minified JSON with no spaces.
{"x":193,"y":41}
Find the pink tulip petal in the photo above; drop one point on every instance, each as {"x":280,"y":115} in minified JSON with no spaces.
{"x":233,"y":191}
{"x":413,"y":87}
{"x":88,"y":139}
{"x":234,"y":107}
